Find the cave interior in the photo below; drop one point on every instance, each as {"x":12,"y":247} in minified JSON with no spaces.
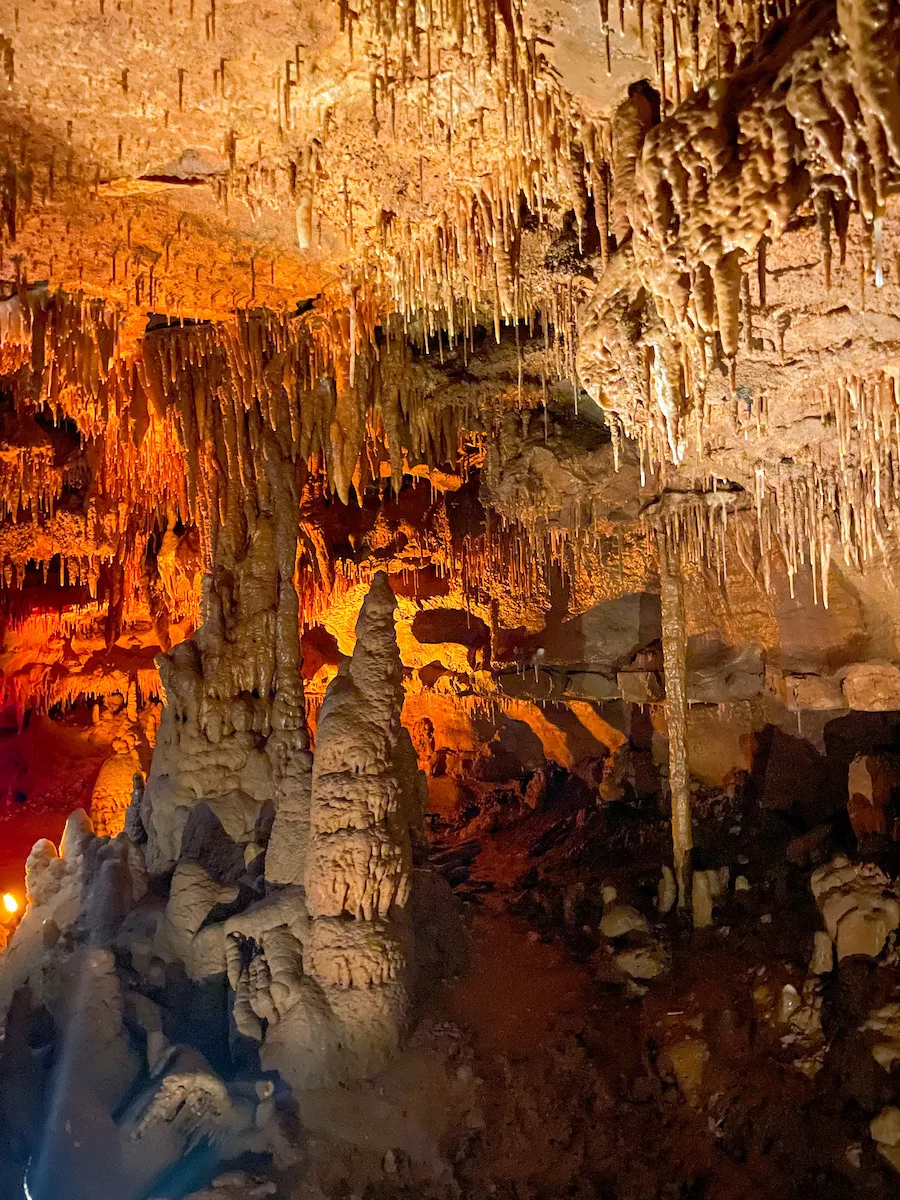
{"x":449,"y":574}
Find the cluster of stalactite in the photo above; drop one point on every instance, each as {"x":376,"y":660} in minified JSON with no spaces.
{"x":503,"y":147}
{"x":469,"y":80}
{"x":145,"y":412}
{"x":171,"y":428}
{"x":72,"y":369}
{"x":511,"y":567}
{"x":57,"y":692}
{"x":697,"y":522}
{"x":350,"y":402}
{"x":469,"y":249}
{"x":31,"y":478}
{"x":812,"y":118}
{"x":470,"y":87}
{"x":810,"y":123}
{"x":798,"y":512}
{"x":845,"y":496}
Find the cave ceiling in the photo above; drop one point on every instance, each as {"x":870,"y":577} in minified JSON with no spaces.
{"x":516,"y":283}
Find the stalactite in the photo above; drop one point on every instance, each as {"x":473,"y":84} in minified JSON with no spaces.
{"x":631,"y":122}
{"x":305,"y":195}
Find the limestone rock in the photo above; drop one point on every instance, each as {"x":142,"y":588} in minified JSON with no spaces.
{"x":95,"y":1073}
{"x":236,"y":1185}
{"x":872,"y":687}
{"x":689,"y":1058}
{"x":885,"y":1024}
{"x":593,"y":686}
{"x":788,"y":1003}
{"x":217,"y":831}
{"x":191,"y":937}
{"x":607,"y":634}
{"x":642,"y":962}
{"x":858,"y":905}
{"x":812,"y":847}
{"x":321,"y":973}
{"x":822,"y":961}
{"x":885,"y":1130}
{"x":640,"y":687}
{"x":112,"y":792}
{"x":56,"y":890}
{"x":871,"y":781}
{"x":721,"y":674}
{"x":620,"y":919}
{"x":667,"y":892}
{"x":708,"y":886}
{"x":815,"y":693}
{"x":183,"y":1103}
{"x":702,"y":900}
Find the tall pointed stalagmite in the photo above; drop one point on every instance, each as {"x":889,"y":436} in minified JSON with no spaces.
{"x":353,"y":1002}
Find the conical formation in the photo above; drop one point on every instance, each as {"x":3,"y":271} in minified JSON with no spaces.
{"x":358,"y":956}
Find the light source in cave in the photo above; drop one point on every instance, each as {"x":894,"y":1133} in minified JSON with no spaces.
{"x":449,"y":498}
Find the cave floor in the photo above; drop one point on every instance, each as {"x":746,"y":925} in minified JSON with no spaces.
{"x":538,"y":1072}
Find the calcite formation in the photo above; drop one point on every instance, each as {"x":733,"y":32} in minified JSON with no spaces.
{"x":506,"y":389}
{"x":858,"y":905}
{"x":310,"y":955}
{"x":328,"y":962}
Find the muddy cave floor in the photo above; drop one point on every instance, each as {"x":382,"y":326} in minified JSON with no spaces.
{"x":538,"y":1072}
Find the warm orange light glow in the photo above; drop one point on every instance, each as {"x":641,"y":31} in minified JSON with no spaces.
{"x":10,"y":903}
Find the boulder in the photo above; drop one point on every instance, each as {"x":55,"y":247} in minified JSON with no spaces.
{"x":642,"y":962}
{"x":702,"y":900}
{"x":858,"y":905}
{"x":707,"y":887}
{"x":605,"y":635}
{"x":720,"y":674}
{"x":812,"y":847}
{"x":640,"y":687}
{"x":884,"y":1023}
{"x":885,"y":1130}
{"x":814,"y":693}
{"x":871,"y":781}
{"x":593,"y":686}
{"x":822,"y":960}
{"x":667,"y":892}
{"x":621,"y":919}
{"x":872,"y":687}
{"x":688,"y":1059}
